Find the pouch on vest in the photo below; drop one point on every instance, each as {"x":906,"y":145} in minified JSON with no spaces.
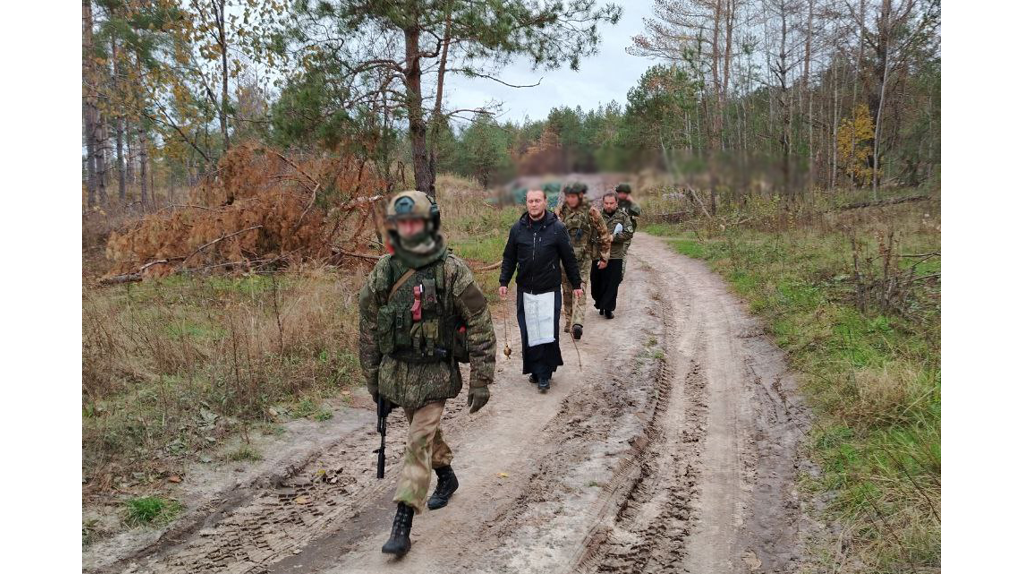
{"x":403,"y":326}
{"x":429,"y":295}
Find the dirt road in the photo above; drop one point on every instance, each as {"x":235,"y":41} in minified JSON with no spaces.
{"x":674,"y":450}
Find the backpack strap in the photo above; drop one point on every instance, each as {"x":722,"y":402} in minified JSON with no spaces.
{"x":401,"y":281}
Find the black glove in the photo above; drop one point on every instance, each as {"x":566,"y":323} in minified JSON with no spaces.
{"x":478,"y":397}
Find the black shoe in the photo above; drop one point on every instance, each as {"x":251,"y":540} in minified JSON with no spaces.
{"x":577,"y":331}
{"x":600,"y":311}
{"x":447,"y":484}
{"x":609,"y":315}
{"x":399,"y":542}
{"x":533,"y":379}
{"x":544,"y":385}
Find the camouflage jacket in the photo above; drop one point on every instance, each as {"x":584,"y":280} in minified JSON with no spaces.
{"x":620,"y":241}
{"x":587,"y":233}
{"x":413,"y":384}
{"x":633,"y":209}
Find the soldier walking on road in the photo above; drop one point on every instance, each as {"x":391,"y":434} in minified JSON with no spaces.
{"x":537,"y":243}
{"x":626,"y":203}
{"x":420,"y":314}
{"x":605,"y":281}
{"x":590,"y":241}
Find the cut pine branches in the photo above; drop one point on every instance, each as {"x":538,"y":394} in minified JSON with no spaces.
{"x":259,"y":208}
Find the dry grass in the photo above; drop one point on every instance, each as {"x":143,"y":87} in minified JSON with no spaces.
{"x":171,"y":367}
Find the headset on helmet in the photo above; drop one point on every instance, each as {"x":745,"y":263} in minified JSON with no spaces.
{"x":413,"y":204}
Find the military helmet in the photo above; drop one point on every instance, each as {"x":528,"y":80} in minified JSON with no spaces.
{"x":413,"y":204}
{"x":577,"y":187}
{"x":623,"y":188}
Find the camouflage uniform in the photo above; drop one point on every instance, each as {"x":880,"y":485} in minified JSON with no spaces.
{"x":633,"y":210}
{"x":590,"y":242}
{"x":413,"y":364}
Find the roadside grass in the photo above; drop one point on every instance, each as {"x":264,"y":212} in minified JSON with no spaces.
{"x":173,"y":367}
{"x":150,"y":511}
{"x":872,"y":376}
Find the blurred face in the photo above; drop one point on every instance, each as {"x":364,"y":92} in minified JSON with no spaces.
{"x":610,"y":204}
{"x":536,"y":203}
{"x":409,"y":227}
{"x":623,"y":196}
{"x":572,"y":199}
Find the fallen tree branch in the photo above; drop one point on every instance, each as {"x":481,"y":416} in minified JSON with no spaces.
{"x":490,"y":267}
{"x":215,"y":241}
{"x":882,"y":202}
{"x":133,"y":277}
{"x":337,"y":251}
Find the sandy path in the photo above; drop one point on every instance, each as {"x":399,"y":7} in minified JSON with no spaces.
{"x":674,"y":450}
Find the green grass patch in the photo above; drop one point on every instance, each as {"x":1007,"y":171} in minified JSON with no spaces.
{"x":245,"y":453}
{"x":150,"y":511}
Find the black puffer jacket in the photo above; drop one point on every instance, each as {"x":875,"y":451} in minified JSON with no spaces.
{"x":535,"y":248}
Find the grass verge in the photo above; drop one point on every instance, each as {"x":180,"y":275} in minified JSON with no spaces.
{"x":869,"y":361}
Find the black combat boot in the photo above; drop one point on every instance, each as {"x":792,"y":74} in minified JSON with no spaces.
{"x":399,"y":542}
{"x":544,"y":384}
{"x":533,"y":378}
{"x":609,"y":315}
{"x":447,"y":484}
{"x":577,"y":331}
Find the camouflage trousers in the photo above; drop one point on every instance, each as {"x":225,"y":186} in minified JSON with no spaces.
{"x":425,"y":450}
{"x":574,"y":311}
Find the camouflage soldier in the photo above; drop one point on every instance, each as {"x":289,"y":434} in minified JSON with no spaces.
{"x":605,"y":281}
{"x":590,"y":242}
{"x":420,"y":314}
{"x":626,"y":203}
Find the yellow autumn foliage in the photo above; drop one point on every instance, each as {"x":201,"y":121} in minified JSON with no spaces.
{"x":853,"y":144}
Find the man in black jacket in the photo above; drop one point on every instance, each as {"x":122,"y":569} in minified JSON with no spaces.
{"x":536,"y":244}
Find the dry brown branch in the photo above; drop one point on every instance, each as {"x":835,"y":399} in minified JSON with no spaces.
{"x":216,"y":241}
{"x":882,"y":202}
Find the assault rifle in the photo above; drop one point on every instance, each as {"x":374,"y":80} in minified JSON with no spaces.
{"x":384,"y":407}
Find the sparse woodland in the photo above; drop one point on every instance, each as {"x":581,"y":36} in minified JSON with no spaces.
{"x":236,"y":155}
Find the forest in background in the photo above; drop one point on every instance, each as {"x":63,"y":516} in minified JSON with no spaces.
{"x":777,"y":96}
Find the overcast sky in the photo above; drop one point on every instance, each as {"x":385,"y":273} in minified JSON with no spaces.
{"x":600,"y":79}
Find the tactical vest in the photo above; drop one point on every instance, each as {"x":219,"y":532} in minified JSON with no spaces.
{"x":417,"y":321}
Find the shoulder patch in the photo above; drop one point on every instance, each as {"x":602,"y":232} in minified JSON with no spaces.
{"x":473,"y":298}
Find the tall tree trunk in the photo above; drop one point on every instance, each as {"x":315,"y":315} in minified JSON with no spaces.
{"x":730,"y":20}
{"x":102,"y":142}
{"x":439,"y":96}
{"x":130,"y":154}
{"x":883,"y":47}
{"x":223,"y":43}
{"x":121,"y":183}
{"x":143,"y":165}
{"x":807,"y":91}
{"x":835,"y":128}
{"x":716,"y":82}
{"x":88,"y":106}
{"x":414,"y":103}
